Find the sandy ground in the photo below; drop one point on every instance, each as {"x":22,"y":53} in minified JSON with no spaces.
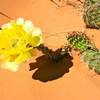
{"x":50,"y":81}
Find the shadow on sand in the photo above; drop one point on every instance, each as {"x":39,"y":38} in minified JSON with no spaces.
{"x":48,"y":70}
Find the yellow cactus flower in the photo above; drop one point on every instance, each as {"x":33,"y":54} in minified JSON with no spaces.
{"x":17,"y":39}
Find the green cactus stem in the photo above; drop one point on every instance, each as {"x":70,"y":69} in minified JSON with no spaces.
{"x":89,"y":53}
{"x":79,"y":41}
{"x":91,"y":14}
{"x":92,"y":58}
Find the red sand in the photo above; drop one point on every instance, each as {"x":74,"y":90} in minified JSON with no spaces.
{"x":79,"y":83}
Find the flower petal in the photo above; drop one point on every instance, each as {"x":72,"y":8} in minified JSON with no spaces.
{"x":12,"y":66}
{"x":9,"y":25}
{"x":36,"y":41}
{"x":28,"y":26}
{"x":20,"y":21}
{"x":4,"y":26}
{"x":36,"y":32}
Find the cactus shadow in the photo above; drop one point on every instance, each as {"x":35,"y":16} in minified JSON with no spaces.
{"x":48,"y":70}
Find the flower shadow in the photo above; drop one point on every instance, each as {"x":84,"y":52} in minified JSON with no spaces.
{"x":48,"y":70}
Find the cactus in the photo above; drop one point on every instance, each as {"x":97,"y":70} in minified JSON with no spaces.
{"x":89,"y":53}
{"x":89,"y":3}
{"x":92,"y":58}
{"x":55,"y":56}
{"x":91,"y":14}
{"x":79,"y":41}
